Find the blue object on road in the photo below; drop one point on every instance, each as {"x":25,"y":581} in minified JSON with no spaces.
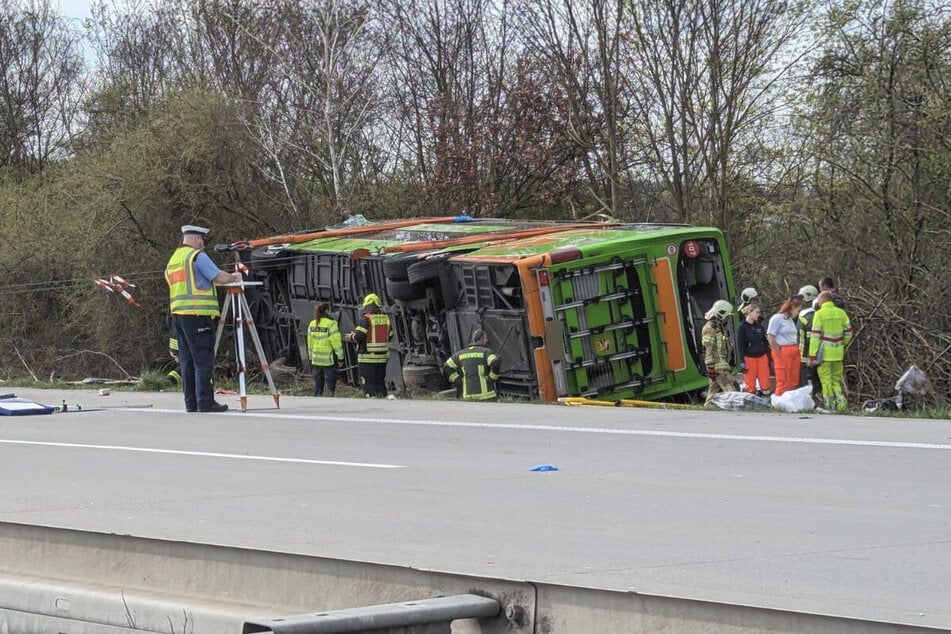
{"x":10,"y":405}
{"x":544,"y":467}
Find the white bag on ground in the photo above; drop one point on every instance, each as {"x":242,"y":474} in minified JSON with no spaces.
{"x":734,"y":401}
{"x":798,"y":400}
{"x":914,"y":381}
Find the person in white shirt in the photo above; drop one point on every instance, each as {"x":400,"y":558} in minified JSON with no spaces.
{"x":783,"y":336}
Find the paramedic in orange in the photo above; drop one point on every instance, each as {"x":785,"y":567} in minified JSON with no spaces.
{"x":783,"y":335}
{"x":752,"y":349}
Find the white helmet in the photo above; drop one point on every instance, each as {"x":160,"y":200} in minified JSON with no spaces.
{"x":748,"y":295}
{"x":720,"y":310}
{"x":808,"y":293}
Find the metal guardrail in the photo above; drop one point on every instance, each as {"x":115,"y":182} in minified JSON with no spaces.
{"x":62,"y":581}
{"x":433,"y":616}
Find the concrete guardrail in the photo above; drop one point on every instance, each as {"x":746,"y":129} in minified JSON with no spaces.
{"x":63,"y":581}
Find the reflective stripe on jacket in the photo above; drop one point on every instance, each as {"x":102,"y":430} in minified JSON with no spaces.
{"x":375,"y":339}
{"x":185,"y":298}
{"x":478,"y":368}
{"x":716,"y":346}
{"x":324,"y":341}
{"x":831,"y":333}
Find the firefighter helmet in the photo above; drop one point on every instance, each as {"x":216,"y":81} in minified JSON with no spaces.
{"x":720,"y":310}
{"x":748,"y":295}
{"x":808,"y":293}
{"x":371,"y":299}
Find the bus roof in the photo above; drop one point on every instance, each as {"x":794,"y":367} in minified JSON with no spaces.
{"x":496,"y":239}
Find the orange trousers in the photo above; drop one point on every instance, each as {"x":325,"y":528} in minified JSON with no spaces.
{"x":757,"y":368}
{"x":787,"y":368}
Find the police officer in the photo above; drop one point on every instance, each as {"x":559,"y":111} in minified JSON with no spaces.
{"x":372,"y":336}
{"x":190,"y":275}
{"x":326,"y":349}
{"x":476,"y":368}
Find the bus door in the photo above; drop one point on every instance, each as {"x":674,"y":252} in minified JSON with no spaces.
{"x":599,"y":331}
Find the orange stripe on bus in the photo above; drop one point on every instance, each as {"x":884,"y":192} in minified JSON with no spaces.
{"x":527,"y":268}
{"x":670,"y":323}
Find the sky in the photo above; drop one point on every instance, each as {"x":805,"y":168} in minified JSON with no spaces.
{"x":75,"y":9}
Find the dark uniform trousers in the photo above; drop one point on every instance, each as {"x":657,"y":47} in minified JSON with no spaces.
{"x":196,"y":357}
{"x":374,"y":379}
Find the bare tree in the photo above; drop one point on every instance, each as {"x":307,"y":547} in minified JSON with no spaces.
{"x":238,"y":42}
{"x":706,"y":75}
{"x":40,"y":71}
{"x":333,"y":89}
{"x":138,"y":51}
{"x":585,"y":45}
{"x":448,"y":69}
{"x":877,"y":209}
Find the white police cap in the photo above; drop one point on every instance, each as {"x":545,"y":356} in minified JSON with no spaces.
{"x":201,"y":231}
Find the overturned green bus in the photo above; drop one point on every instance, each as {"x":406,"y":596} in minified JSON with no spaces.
{"x":604,"y":310}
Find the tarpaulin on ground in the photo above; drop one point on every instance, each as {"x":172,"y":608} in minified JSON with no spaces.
{"x":16,"y":406}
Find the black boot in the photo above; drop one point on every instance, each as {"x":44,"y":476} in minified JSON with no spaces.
{"x":214,"y":407}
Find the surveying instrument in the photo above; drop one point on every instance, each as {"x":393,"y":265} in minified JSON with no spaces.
{"x":236,"y":304}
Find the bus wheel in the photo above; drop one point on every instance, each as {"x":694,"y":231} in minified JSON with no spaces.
{"x":423,"y":377}
{"x":395,"y":267}
{"x":428,"y":269}
{"x":403,"y":290}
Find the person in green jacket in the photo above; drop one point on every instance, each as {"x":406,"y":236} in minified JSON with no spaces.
{"x":325,"y":346}
{"x":475,"y":369}
{"x":830,"y":335}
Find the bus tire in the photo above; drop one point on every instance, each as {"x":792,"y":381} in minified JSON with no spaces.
{"x":423,"y":377}
{"x":428,"y":269}
{"x":403,"y":290}
{"x":396,"y":267}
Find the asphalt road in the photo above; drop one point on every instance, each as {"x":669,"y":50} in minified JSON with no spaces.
{"x":831,"y":514}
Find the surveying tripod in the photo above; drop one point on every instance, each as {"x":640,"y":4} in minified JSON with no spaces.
{"x":237,"y":305}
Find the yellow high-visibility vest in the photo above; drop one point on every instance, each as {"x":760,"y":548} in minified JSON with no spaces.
{"x":324,"y":341}
{"x":185,"y":298}
{"x":831,"y":333}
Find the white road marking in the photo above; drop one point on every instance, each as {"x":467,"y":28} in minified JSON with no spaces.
{"x":580,"y":430}
{"x":205,"y":454}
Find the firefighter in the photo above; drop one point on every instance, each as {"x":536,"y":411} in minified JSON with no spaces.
{"x":717,"y":349}
{"x":830,"y":335}
{"x":372,"y":337}
{"x":808,"y":374}
{"x":190,"y":275}
{"x":325,"y":348}
{"x":475,"y":368}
